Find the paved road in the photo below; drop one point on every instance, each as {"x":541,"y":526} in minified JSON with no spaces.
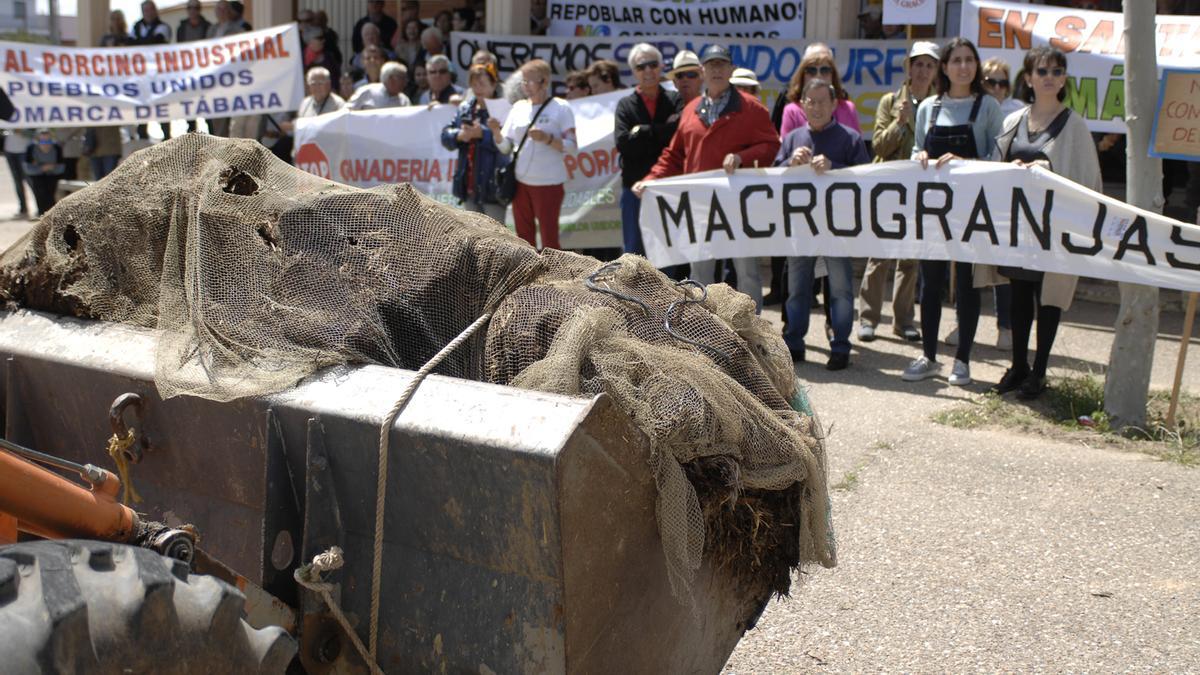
{"x":980,"y":550}
{"x":968,"y":550}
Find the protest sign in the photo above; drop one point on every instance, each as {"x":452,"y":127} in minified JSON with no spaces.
{"x":1176,"y":131}
{"x":246,"y":74}
{"x":869,"y":68}
{"x":986,"y":212}
{"x":732,"y":18}
{"x":364,"y":150}
{"x":1093,"y":41}
{"x":910,"y":12}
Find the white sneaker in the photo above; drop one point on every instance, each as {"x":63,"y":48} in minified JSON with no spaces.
{"x":921,"y":369}
{"x":952,"y":338}
{"x":1004,"y":340}
{"x":866,"y":332}
{"x":960,"y":374}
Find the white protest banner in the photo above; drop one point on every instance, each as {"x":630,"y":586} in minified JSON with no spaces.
{"x":246,"y":74}
{"x":869,"y":68}
{"x":987,"y":212}
{"x":366,"y":149}
{"x":732,"y":18}
{"x":910,"y":12}
{"x":1093,"y":41}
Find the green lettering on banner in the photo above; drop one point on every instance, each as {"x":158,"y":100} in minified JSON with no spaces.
{"x":1081,"y":96}
{"x":1114,"y":100}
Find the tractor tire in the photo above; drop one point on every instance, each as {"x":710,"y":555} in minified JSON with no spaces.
{"x":95,"y":607}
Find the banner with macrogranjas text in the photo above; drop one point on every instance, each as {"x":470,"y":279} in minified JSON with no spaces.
{"x":983,"y":212}
{"x":247,"y":74}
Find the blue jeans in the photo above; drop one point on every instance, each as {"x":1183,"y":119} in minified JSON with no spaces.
{"x":799,"y":301}
{"x":631,"y":229}
{"x":103,"y":165}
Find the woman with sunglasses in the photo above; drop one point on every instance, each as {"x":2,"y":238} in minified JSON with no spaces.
{"x":1050,"y":135}
{"x":817,"y":64}
{"x":961,"y":122}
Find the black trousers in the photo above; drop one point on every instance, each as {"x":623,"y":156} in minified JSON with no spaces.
{"x":966,"y":296}
{"x":16,"y":166}
{"x":44,"y":188}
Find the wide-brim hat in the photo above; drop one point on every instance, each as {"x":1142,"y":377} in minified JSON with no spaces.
{"x":743,"y":77}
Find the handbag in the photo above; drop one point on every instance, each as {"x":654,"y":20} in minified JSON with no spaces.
{"x":506,"y":176}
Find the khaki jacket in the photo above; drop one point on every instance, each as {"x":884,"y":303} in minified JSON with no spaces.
{"x":1072,"y":155}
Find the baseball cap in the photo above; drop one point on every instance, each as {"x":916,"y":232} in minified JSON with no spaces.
{"x":743,"y":77}
{"x":685,"y":60}
{"x":924,"y":48}
{"x":714,"y":53}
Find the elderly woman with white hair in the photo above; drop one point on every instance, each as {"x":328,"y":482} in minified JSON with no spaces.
{"x":643,"y":125}
{"x":388,"y":92}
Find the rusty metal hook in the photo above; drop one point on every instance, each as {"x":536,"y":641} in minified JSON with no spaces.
{"x":116,"y":420}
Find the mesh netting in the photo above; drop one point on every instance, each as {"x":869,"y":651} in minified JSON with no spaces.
{"x":259,"y":274}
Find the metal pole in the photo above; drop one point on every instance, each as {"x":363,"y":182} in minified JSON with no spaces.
{"x":1188,"y":317}
{"x":55,"y":36}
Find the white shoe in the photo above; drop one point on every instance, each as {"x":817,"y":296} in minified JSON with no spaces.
{"x":960,"y":374}
{"x":952,"y":338}
{"x":866,"y":332}
{"x":921,"y":369}
{"x":1004,"y":340}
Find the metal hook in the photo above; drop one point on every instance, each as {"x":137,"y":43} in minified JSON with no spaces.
{"x":592,"y":284}
{"x":116,"y":420}
{"x":689,"y":300}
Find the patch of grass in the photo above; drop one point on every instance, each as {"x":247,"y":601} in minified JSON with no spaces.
{"x":848,"y":482}
{"x":1074,"y":405}
{"x":882,"y":445}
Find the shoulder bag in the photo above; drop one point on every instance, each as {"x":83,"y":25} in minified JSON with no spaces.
{"x":506,"y":176}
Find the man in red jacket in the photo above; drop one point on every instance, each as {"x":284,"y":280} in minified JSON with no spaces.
{"x":727,"y":129}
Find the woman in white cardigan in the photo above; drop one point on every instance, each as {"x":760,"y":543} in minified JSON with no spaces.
{"x":1050,"y":135}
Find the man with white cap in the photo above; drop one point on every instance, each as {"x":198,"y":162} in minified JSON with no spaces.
{"x":895,"y":121}
{"x":727,"y":129}
{"x":685,"y":73}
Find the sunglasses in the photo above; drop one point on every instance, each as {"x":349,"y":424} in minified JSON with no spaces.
{"x":993,"y":82}
{"x":438,"y":71}
{"x":1056,"y":72}
{"x":647,"y":65}
{"x":576,"y":87}
{"x":818,"y":70}
{"x":687,"y":75}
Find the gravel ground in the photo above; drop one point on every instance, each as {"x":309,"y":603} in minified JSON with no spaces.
{"x":973,"y":550}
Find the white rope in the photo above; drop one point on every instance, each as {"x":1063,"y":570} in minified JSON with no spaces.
{"x":309,"y":576}
{"x":381,"y":472}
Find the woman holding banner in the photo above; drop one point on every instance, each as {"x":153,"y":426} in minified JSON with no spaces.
{"x":478,"y":156}
{"x":961,"y":122}
{"x":1050,"y":135}
{"x":895,"y":127}
{"x":643,"y":125}
{"x":543,"y":128}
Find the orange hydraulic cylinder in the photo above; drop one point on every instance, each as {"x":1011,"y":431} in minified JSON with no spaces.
{"x":51,"y":506}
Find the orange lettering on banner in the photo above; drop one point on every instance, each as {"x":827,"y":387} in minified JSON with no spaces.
{"x":989,"y":28}
{"x":16,"y":62}
{"x":1098,"y":41}
{"x":1069,"y":31}
{"x":1018,"y":31}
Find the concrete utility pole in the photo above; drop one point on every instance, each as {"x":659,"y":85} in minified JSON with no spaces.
{"x":1127,"y":386}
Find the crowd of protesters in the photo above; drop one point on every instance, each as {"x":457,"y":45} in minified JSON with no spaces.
{"x":695,"y":113}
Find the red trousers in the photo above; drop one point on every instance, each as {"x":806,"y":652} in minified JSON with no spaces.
{"x":540,"y":202}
